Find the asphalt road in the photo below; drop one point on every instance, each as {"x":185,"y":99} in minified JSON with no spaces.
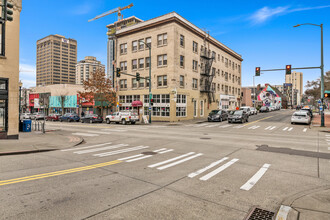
{"x":188,"y":171}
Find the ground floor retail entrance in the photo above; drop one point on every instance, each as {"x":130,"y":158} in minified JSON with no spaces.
{"x":3,"y":107}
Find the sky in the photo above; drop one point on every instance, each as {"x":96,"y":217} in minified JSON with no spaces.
{"x":260,"y":30}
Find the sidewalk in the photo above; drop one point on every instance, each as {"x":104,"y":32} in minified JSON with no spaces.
{"x":33,"y":142}
{"x":317,"y":119}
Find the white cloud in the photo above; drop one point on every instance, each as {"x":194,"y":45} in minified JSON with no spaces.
{"x":28,"y":83}
{"x":27,"y":74}
{"x":266,"y":13}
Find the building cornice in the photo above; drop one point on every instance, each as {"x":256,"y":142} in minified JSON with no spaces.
{"x":174,"y":17}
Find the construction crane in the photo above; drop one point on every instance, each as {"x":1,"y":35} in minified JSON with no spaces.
{"x":118,"y":10}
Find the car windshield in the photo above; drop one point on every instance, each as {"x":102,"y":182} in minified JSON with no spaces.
{"x":213,"y":112}
{"x":238,"y":112}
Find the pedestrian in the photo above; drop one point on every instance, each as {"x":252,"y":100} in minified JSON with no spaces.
{"x":82,"y":114}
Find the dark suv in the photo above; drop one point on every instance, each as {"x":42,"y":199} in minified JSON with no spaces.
{"x":238,"y":116}
{"x":217,"y":115}
{"x":70,"y":117}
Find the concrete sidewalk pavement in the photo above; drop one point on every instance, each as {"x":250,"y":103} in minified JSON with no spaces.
{"x":33,"y":142}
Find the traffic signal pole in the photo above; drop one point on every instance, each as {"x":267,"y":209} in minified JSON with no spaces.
{"x":322,"y":78}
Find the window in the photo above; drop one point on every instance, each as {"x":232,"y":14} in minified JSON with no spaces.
{"x":214,"y":55}
{"x":226,"y":76}
{"x":218,"y":87}
{"x":181,"y":99}
{"x":162,"y":60}
{"x":134,"y":46}
{"x":239,"y":80}
{"x":141,"y":44}
{"x":148,"y":40}
{"x":181,"y":81}
{"x":181,"y":40}
{"x":123,"y":65}
{"x":195,"y":64}
{"x":147,"y":82}
{"x":141,"y":63}
{"x":162,"y":39}
{"x":128,"y":99}
{"x":181,"y":111}
{"x":213,"y":87}
{"x":136,"y":97}
{"x":239,"y":68}
{"x":165,"y":98}
{"x":195,"y":47}
{"x":134,"y":83}
{"x":134,"y":64}
{"x":182,"y":61}
{"x":146,"y":99}
{"x":213,"y":71}
{"x":147,"y":62}
{"x":218,"y":57}
{"x":3,"y":105}
{"x":123,"y":83}
{"x":123,"y":49}
{"x":226,"y":62}
{"x":162,"y":80}
{"x":222,"y":59}
{"x":141,"y":83}
{"x":195,"y":85}
{"x":202,"y":108}
{"x":121,"y":99}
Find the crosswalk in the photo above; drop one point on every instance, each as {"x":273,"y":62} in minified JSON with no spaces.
{"x":249,"y":127}
{"x":205,"y":173}
{"x":327,"y":139}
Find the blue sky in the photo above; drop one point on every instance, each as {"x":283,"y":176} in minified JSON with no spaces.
{"x":260,"y":30}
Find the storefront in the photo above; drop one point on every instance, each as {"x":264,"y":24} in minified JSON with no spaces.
{"x":3,"y":106}
{"x":68,"y":103}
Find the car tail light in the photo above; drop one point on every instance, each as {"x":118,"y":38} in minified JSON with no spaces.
{"x":95,"y":117}
{"x":129,"y":117}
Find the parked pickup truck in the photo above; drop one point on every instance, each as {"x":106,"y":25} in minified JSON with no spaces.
{"x":122,"y":117}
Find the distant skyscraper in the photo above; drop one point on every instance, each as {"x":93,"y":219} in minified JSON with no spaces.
{"x":56,"y":60}
{"x":296,"y":79}
{"x":85,"y":67}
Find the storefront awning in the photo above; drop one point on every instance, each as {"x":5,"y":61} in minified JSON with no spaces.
{"x":137,"y":104}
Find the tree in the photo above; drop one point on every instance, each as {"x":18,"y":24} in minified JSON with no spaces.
{"x":98,"y":88}
{"x":313,"y":88}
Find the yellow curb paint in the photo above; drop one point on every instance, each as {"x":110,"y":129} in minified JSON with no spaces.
{"x":57,"y":173}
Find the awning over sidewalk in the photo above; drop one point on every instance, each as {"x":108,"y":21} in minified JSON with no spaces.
{"x":137,"y":104}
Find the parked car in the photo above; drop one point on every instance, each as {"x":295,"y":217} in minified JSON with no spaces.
{"x":91,"y":118}
{"x":53,"y":117}
{"x":247,"y":109}
{"x":26,"y":116}
{"x":238,"y":116}
{"x":122,"y":117}
{"x":264,"y":109}
{"x":38,"y":116}
{"x":254,"y":111}
{"x":69,"y":117}
{"x":301,"y":117}
{"x":217,"y":115}
{"x":309,"y":110}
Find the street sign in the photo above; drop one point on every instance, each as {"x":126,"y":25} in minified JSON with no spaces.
{"x":149,"y":108}
{"x":253,"y":101}
{"x":319,"y":101}
{"x":321,"y":108}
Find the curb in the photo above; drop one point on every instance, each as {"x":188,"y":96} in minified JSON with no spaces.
{"x":26,"y":152}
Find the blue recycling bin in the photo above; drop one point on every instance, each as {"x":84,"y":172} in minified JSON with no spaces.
{"x":26,"y":125}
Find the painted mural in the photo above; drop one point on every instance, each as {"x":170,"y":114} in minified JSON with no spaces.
{"x":269,"y":97}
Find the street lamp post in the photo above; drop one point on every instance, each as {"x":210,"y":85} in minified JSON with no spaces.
{"x":149,"y":47}
{"x":321,"y":67}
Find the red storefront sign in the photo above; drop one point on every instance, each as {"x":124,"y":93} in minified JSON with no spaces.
{"x":31,"y":99}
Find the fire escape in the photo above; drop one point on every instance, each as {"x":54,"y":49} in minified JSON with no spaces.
{"x":206,"y":79}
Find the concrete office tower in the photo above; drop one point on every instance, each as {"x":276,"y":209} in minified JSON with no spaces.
{"x":296,"y":79}
{"x":56,"y":60}
{"x":86,"y":67}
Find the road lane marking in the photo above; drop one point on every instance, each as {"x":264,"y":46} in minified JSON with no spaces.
{"x":268,"y":127}
{"x":272,"y":128}
{"x":139,"y":158}
{"x":211,"y":126}
{"x":218,"y":170}
{"x":163,"y":152}
{"x":225,"y":126}
{"x":100,"y":149}
{"x":305,"y":129}
{"x":120,"y":151}
{"x":80,"y":148}
{"x":130,"y":157}
{"x":86,"y":134}
{"x":170,"y":160}
{"x":328,"y":148}
{"x":258,"y":120}
{"x":201,"y":125}
{"x":57,"y":173}
{"x":254,"y":127}
{"x":290,"y":129}
{"x":239,"y":126}
{"x":178,"y":162}
{"x":206,"y":168}
{"x":255,"y":178}
{"x":286,"y":128}
{"x":160,"y":150}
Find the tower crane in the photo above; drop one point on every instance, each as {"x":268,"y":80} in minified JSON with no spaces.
{"x":116,"y":10}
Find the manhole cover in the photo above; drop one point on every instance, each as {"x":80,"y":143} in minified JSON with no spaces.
{"x":260,"y":214}
{"x":205,"y":138}
{"x":149,"y":153}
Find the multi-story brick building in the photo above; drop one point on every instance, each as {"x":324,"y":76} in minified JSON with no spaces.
{"x":191,"y":73}
{"x":56,"y":60}
{"x":86,"y":67}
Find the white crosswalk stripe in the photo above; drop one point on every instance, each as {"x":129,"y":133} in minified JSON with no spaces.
{"x":120,"y":151}
{"x":100,"y":149}
{"x":180,"y":161}
{"x":254,"y":127}
{"x":225,"y":126}
{"x":290,"y":129}
{"x":142,"y":156}
{"x":268,"y":127}
{"x":166,"y":151}
{"x":272,"y":128}
{"x":218,"y":170}
{"x":206,"y":168}
{"x":170,"y":160}
{"x":201,"y":125}
{"x":80,"y":148}
{"x":239,"y":126}
{"x":211,"y":126}
{"x":255,"y":178}
{"x":305,"y":129}
{"x":286,"y":128}
{"x":86,"y":134}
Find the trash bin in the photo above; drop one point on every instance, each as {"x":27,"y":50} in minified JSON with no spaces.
{"x":26,"y":125}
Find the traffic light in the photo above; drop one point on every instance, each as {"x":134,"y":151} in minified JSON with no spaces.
{"x":327,"y":94}
{"x":7,"y":11}
{"x":138,"y":77}
{"x":257,"y":71}
{"x":152,"y":102}
{"x":118,"y":72}
{"x":288,"y":70}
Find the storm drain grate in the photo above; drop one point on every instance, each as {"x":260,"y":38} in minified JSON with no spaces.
{"x":149,"y":153}
{"x":260,"y":214}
